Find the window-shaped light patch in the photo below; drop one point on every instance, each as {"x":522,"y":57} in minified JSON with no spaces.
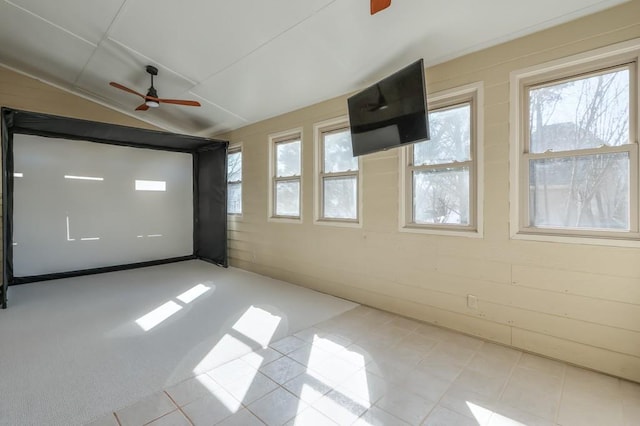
{"x":83,"y":177}
{"x":17,"y":174}
{"x":159,"y":314}
{"x":193,"y":293}
{"x":151,"y":185}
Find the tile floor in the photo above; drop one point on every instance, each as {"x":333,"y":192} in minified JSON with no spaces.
{"x":369,"y":367}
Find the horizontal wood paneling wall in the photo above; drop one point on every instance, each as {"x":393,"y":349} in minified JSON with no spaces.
{"x":578,"y":303}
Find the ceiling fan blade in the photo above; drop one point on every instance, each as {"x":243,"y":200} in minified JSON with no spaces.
{"x":125,"y":88}
{"x":378,"y":5}
{"x":142,"y":107}
{"x":179,"y":102}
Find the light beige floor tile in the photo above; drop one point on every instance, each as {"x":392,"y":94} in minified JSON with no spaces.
{"x":378,"y":417}
{"x":288,"y":344}
{"x":277,"y":407}
{"x":175,"y":418}
{"x":108,"y":420}
{"x":307,"y":334}
{"x":307,"y":387}
{"x":332,"y":343}
{"x":583,"y":408}
{"x":310,"y":356}
{"x":257,"y":359}
{"x":389,"y":370}
{"x":533,"y":392}
{"x":210,"y":410}
{"x":192,"y":389}
{"x":146,"y":410}
{"x":542,"y":364}
{"x":363,"y":310}
{"x":425,"y":385}
{"x":366,"y":386}
{"x":469,"y":404}
{"x":282,"y":370}
{"x":231,"y":371}
{"x":340,"y":408}
{"x":509,"y":416}
{"x":442,"y":416}
{"x":336,"y":370}
{"x":491,"y":365}
{"x":581,"y":380}
{"x":500,"y":352}
{"x":311,"y":417}
{"x":481,"y":383}
{"x":434,"y":331}
{"x":464,"y":341}
{"x":247,"y":391}
{"x":405,"y":405}
{"x":243,"y":417}
{"x":405,"y":323}
{"x":630,"y":401}
{"x":442,"y":369}
{"x":353,"y":355}
{"x":630,"y":389}
{"x":419,"y":343}
{"x":449,"y":352}
{"x":631,"y":411}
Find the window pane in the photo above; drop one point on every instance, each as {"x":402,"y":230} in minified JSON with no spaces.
{"x":450,"y":137}
{"x":288,"y":159}
{"x":338,"y":156}
{"x":441,"y":196}
{"x":288,"y":198}
{"x":590,"y":191}
{"x":341,"y":198}
{"x":234,"y":167}
{"x":234,"y":198}
{"x":579,"y":114}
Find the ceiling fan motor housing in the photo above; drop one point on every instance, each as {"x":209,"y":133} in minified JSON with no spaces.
{"x":152,"y":70}
{"x":152,"y":92}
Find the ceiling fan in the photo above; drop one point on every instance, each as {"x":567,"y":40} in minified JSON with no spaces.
{"x":151,"y":100}
{"x":378,"y":5}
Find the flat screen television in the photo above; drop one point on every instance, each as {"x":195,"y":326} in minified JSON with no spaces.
{"x":391,"y":113}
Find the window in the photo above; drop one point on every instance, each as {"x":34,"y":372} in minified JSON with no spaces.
{"x":337,"y":171}
{"x":441,"y":175}
{"x":286,"y":175}
{"x":578,"y":155}
{"x":234,"y":181}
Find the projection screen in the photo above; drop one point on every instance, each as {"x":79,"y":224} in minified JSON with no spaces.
{"x":80,"y":205}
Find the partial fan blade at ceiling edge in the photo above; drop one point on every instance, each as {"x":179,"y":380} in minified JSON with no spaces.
{"x":378,"y":5}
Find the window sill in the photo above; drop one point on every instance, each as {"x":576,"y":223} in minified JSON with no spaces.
{"x":278,"y":219}
{"x":462,"y":232}
{"x":338,"y":223}
{"x":574,"y":239}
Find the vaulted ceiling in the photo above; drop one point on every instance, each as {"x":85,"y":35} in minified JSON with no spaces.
{"x":248,"y":60}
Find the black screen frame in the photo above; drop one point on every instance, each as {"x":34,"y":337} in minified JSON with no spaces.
{"x":209,"y":160}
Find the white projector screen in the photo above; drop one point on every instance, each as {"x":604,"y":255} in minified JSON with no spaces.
{"x":83,"y":205}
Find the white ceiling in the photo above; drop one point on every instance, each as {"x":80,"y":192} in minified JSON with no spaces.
{"x":248,"y":60}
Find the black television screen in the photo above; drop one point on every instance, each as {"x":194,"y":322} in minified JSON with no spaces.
{"x":391,"y":113}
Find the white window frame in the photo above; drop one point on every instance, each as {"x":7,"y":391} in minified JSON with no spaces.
{"x":474,"y":94}
{"x":319,"y":129}
{"x":588,"y":63}
{"x":274,"y":139}
{"x":233,"y":149}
